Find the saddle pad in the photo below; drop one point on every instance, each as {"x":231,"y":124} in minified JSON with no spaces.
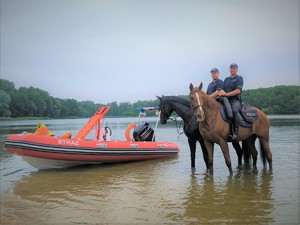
{"x":243,"y":122}
{"x":248,"y":112}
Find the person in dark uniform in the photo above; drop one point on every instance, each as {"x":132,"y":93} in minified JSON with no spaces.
{"x":216,"y":85}
{"x":232,"y":90}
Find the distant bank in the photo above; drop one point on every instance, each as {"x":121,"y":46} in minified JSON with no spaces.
{"x":33,"y":103}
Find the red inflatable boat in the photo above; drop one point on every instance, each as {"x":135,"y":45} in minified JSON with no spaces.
{"x":43,"y":150}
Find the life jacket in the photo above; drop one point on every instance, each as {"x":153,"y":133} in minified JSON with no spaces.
{"x":41,"y":129}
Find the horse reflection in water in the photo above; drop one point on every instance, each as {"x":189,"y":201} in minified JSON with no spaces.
{"x":245,"y":198}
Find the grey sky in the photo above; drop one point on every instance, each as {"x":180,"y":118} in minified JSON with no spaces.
{"x":126,"y":50}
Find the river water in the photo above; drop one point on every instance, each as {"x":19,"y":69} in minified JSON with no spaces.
{"x":164,"y":191}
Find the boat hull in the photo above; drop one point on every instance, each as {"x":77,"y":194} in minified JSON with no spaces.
{"x":45,"y":152}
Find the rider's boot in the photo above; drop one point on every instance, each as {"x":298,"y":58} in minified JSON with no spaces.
{"x":235,"y":128}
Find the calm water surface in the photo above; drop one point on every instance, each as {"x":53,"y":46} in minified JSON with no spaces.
{"x":153,"y":192}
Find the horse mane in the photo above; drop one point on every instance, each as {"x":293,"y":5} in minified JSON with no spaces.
{"x":210,"y":100}
{"x":178,"y":100}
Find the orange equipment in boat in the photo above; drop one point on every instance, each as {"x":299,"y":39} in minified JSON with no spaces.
{"x":41,"y":129}
{"x":92,"y":122}
{"x":128,"y":129}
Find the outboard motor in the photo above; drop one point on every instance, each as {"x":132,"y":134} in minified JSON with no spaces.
{"x":143,"y":132}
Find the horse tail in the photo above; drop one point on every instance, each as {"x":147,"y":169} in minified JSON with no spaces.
{"x":263,"y":154}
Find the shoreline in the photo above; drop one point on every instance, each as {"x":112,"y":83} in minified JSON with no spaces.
{"x":60,"y":118}
{"x":74,"y":117}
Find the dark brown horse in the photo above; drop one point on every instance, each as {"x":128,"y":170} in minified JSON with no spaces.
{"x":215,"y":130}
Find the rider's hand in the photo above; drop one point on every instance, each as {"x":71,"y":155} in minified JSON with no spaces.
{"x":222,"y":93}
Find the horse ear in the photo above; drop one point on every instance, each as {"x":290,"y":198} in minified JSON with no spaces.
{"x":191,"y":86}
{"x":159,"y":98}
{"x":200,"y":86}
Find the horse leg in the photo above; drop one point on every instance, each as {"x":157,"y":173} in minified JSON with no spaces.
{"x":192,"y":144}
{"x":246,"y":152}
{"x":225,"y":150}
{"x":265,"y":151}
{"x":250,"y":142}
{"x":210,"y":151}
{"x":239,"y":151}
{"x":253,"y":149}
{"x":204,"y":151}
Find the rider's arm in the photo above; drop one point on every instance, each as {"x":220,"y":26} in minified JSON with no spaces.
{"x":215,"y":94}
{"x":237,"y":91}
{"x":232,"y":93}
{"x":219,"y":88}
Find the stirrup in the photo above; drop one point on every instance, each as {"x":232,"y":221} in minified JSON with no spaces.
{"x":232,"y":137}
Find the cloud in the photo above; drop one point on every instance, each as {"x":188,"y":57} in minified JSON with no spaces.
{"x":129,"y":50}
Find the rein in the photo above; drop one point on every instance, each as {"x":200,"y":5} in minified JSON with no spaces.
{"x":178,"y":127}
{"x":179,"y":115}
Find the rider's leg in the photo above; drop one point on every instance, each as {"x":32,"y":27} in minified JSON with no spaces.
{"x":228,"y":109}
{"x":235,"y":105}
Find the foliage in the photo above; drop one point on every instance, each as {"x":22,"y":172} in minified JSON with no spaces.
{"x":4,"y":104}
{"x":275,"y":100}
{"x":7,"y":86}
{"x":34,"y":102}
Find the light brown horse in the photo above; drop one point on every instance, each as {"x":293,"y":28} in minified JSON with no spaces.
{"x":215,"y":130}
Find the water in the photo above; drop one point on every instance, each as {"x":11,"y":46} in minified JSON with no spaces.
{"x":153,"y":192}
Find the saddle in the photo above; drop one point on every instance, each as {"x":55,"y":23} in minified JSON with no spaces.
{"x":248,"y":114}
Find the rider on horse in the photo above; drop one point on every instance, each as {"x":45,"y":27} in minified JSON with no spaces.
{"x":216,"y":85}
{"x":232,"y":90}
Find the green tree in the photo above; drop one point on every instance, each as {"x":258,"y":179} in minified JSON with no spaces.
{"x":7,"y":86}
{"x":114,"y":109}
{"x":4,"y":104}
{"x":125,"y":109}
{"x":56,"y":107}
{"x":88,"y":108}
{"x":70,"y":107}
{"x":32,"y":101}
{"x":19,"y":104}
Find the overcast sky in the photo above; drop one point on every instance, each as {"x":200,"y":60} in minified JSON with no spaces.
{"x":126,"y":50}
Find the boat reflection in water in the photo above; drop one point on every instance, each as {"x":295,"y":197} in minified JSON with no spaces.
{"x":93,"y":194}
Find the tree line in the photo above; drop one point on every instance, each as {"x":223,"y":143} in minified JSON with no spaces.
{"x":35,"y":102}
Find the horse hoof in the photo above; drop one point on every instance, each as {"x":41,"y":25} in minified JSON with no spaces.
{"x":270,"y":167}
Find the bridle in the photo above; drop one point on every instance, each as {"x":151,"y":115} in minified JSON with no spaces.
{"x":166,"y":115}
{"x":199,"y":106}
{"x":169,"y":114}
{"x":175,"y":119}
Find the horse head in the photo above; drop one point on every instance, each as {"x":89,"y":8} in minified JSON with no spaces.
{"x":197,"y":100}
{"x":165,"y":110}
